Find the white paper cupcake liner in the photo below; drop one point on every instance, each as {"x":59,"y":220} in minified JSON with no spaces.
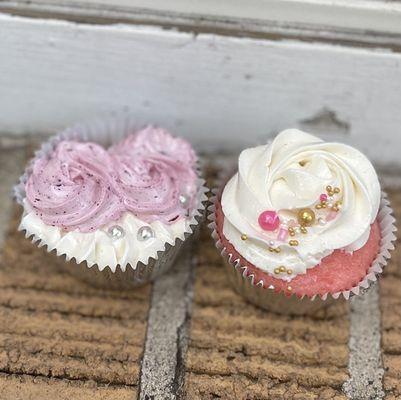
{"x":245,"y":284}
{"x":107,"y":132}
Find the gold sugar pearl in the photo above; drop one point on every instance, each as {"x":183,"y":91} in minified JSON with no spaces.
{"x":289,"y":288}
{"x":293,"y":242}
{"x":274,"y":250}
{"x":303,"y":229}
{"x":306,"y":217}
{"x":289,"y":271}
{"x":302,"y":163}
{"x":276,"y":271}
{"x":282,"y":269}
{"x":337,"y":205}
{"x":330,"y":190}
{"x":318,"y":206}
{"x":244,"y":237}
{"x":337,"y":190}
{"x":291,"y":233}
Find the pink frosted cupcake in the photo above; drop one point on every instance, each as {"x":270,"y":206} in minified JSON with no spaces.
{"x":121,"y":213}
{"x":302,"y":218}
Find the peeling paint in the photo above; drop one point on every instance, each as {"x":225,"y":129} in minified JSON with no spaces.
{"x":326,"y":121}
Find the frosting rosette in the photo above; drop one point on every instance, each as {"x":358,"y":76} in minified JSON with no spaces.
{"x":72,"y":188}
{"x":153,"y":140}
{"x":156,"y":179}
{"x":296,"y":200}
{"x":83,"y":186}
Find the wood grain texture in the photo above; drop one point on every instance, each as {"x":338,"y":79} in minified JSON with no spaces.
{"x":373,"y":15}
{"x":390,"y":291}
{"x":238,"y":351}
{"x":60,"y":338}
{"x":219,"y":91}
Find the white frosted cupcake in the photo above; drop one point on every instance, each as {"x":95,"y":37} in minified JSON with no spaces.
{"x":302,"y":218}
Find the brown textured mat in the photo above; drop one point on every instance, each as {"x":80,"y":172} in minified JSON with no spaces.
{"x":237,"y":351}
{"x":62,"y":339}
{"x":390,"y":301}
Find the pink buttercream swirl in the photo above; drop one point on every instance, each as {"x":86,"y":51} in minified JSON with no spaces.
{"x":154,"y":169}
{"x":152,"y":140}
{"x":81,"y":186}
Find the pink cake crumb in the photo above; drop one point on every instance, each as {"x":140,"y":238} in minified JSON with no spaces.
{"x":337,"y":272}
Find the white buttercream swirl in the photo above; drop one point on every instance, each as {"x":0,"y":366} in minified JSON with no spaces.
{"x":99,"y":247}
{"x":290,"y":174}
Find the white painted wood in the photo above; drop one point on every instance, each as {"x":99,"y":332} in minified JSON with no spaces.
{"x":366,"y":15}
{"x":350,"y":14}
{"x":218,"y":91}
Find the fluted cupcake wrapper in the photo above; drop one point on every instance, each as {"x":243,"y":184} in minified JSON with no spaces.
{"x":244,"y":281}
{"x":107,"y":132}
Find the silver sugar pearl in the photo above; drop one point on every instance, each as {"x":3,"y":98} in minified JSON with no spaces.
{"x":321,"y":221}
{"x":184,"y":200}
{"x":145,"y":233}
{"x":116,"y":232}
{"x":272,"y":243}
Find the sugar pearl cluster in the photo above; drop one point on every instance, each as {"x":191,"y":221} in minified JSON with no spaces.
{"x":282,"y":269}
{"x":328,"y":200}
{"x":145,"y":232}
{"x":286,"y":231}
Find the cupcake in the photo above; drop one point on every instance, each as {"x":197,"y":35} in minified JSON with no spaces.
{"x":120,"y":214}
{"x":302,"y":219}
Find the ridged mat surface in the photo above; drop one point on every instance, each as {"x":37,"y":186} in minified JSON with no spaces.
{"x":62,"y":339}
{"x":390,"y":303}
{"x":239,"y":351}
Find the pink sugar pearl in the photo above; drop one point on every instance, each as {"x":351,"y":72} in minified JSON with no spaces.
{"x":269,"y":220}
{"x":323,"y":197}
